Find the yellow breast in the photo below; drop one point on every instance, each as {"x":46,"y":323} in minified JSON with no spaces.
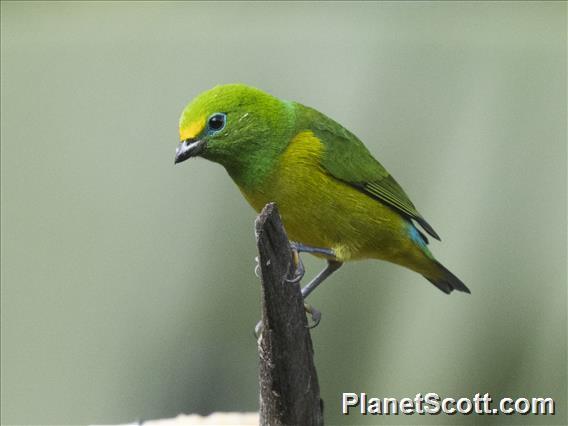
{"x":322,"y":211}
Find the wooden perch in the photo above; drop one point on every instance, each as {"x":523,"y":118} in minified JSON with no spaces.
{"x":289,"y":389}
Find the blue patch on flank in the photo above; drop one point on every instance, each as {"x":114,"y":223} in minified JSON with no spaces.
{"x":415,"y":236}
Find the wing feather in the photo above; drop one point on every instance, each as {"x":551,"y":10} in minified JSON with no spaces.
{"x":347,"y":159}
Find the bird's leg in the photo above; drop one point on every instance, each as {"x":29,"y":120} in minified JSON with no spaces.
{"x":298,"y":248}
{"x":332,"y":266}
{"x":302,"y":248}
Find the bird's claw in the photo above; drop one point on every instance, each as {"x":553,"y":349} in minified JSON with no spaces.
{"x":299,"y":270}
{"x":315,"y":314}
{"x":257,"y":267}
{"x":258,"y":330}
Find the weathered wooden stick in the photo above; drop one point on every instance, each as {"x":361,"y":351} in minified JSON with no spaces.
{"x":289,"y":389}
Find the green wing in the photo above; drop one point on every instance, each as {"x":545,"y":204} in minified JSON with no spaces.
{"x":347,"y":159}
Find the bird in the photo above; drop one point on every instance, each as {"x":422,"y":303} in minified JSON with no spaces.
{"x":335,"y":199}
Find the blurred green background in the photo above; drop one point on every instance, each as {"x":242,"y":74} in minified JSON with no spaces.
{"x":127,"y":283}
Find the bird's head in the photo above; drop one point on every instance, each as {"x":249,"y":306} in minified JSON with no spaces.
{"x":234,"y":125}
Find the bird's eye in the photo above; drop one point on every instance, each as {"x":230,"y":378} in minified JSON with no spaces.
{"x":217,"y":121}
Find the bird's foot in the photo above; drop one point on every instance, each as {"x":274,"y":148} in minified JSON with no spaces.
{"x":258,"y":330}
{"x":257,"y":267}
{"x":315,"y":314}
{"x":299,"y":270}
{"x":332,"y":265}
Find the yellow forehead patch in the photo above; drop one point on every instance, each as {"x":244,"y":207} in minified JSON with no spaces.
{"x":191,"y":130}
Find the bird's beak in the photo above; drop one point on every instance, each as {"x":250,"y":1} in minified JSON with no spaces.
{"x":189,"y":148}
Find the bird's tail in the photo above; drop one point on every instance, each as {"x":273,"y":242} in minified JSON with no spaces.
{"x":445,"y":280}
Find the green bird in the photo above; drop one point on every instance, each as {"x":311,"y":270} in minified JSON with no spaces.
{"x":335,"y":199}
